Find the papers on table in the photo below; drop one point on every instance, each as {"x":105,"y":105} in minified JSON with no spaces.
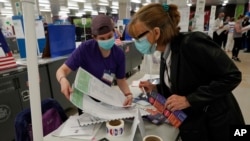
{"x":71,"y":129}
{"x":108,"y":112}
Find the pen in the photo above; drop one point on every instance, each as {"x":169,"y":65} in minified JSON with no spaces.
{"x":144,"y":92}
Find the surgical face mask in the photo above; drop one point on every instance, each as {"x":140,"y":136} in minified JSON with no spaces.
{"x":106,"y":44}
{"x":144,"y":46}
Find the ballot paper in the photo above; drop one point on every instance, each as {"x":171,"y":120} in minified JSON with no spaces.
{"x":106,"y":112}
{"x":87,"y":84}
{"x":71,"y":129}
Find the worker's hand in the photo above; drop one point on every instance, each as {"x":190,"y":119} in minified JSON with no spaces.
{"x":128,"y":100}
{"x":147,"y":86}
{"x":176,"y":102}
{"x":66,"y":88}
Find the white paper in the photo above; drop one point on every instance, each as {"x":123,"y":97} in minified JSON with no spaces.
{"x":18,"y":29}
{"x":39,"y":29}
{"x":135,"y":83}
{"x":105,"y":111}
{"x":90,"y":85}
{"x":72,"y":128}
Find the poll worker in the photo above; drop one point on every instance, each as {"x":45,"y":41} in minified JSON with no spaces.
{"x":100,"y":57}
{"x":196,"y":76}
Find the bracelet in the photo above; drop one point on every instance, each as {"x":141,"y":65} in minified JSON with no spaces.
{"x":128,"y":94}
{"x":61,"y":78}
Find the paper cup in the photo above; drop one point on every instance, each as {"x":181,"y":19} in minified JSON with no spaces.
{"x":152,"y":138}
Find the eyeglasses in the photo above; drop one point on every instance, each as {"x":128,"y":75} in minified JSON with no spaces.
{"x":141,"y":35}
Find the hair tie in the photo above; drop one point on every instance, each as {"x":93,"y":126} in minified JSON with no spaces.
{"x":165,"y":7}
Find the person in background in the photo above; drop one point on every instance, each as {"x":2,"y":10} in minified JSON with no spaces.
{"x":237,"y":38}
{"x":196,"y":75}
{"x":230,"y":39}
{"x":218,"y":29}
{"x":224,"y":33}
{"x":246,"y":35}
{"x":117,"y":33}
{"x":100,"y":57}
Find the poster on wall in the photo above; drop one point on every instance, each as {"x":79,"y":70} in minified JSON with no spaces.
{"x":199,"y":15}
{"x":211,"y":21}
{"x":7,"y":26}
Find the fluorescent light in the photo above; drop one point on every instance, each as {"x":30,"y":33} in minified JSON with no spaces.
{"x":44,"y":1}
{"x":45,"y":10}
{"x":79,"y":14}
{"x":136,"y":1}
{"x":104,"y":4}
{"x":189,"y":4}
{"x":73,"y":7}
{"x":6,"y":7}
{"x":94,"y":13}
{"x":7,"y":4}
{"x":115,"y":3}
{"x":82,"y":1}
{"x":114,"y":7}
{"x":103,"y":1}
{"x":72,"y":4}
{"x":44,"y":4}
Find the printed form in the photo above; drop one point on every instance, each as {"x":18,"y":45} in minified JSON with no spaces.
{"x":88,"y":84}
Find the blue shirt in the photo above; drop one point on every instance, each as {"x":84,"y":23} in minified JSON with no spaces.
{"x":89,"y":57}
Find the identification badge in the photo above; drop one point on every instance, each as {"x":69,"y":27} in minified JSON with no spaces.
{"x":109,"y":77}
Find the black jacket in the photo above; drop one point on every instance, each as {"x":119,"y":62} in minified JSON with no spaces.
{"x":201,"y":71}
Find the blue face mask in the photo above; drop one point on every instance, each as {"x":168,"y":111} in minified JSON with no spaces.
{"x":144,"y":46}
{"x":106,"y":44}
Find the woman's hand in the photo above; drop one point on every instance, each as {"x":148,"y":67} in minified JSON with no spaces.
{"x":176,"y":102}
{"x":147,"y":86}
{"x":66,"y":88}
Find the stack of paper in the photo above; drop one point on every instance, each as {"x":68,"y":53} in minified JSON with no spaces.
{"x":110,"y":105}
{"x":71,"y":129}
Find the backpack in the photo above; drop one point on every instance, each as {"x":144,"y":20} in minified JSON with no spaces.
{"x":52,"y":115}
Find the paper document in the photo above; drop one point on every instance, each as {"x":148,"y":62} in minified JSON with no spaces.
{"x":90,"y":85}
{"x":105,"y":111}
{"x":72,"y":128}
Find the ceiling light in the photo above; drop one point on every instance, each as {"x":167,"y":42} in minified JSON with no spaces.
{"x":103,"y":1}
{"x":72,"y":4}
{"x":73,"y":7}
{"x":94,"y":12}
{"x":115,"y":3}
{"x":82,"y":1}
{"x":114,"y":7}
{"x":45,"y":10}
{"x":6,"y":7}
{"x":104,"y":4}
{"x":43,"y":1}
{"x":136,"y":1}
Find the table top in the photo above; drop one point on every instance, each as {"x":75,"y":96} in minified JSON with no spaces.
{"x":165,"y":131}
